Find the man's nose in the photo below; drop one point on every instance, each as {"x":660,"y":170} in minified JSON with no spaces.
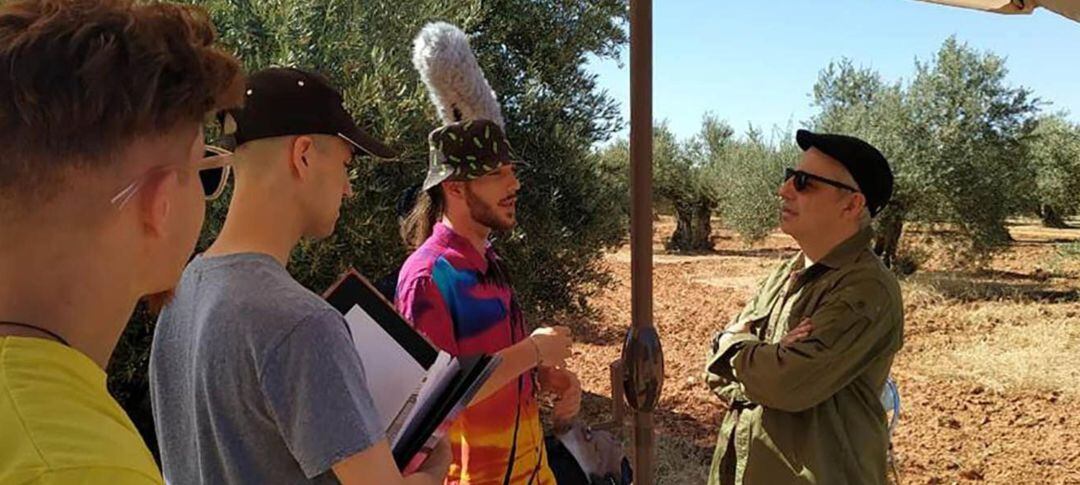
{"x":787,"y":189}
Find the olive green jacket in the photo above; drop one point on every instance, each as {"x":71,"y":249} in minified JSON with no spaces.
{"x":810,"y":412}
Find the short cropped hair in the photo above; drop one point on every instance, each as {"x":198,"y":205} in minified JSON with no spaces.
{"x":80,"y":80}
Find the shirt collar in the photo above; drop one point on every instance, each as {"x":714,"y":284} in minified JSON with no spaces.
{"x":843,"y":254}
{"x":846,"y":252}
{"x":450,"y":239}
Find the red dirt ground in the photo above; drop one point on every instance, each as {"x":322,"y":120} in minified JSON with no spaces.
{"x":953,"y":429}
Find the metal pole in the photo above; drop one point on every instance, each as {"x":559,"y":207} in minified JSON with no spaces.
{"x":642,"y":356}
{"x":641,"y":147}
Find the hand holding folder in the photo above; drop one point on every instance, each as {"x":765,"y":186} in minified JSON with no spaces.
{"x":417,"y":389}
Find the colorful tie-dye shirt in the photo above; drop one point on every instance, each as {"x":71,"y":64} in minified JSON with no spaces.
{"x":448,"y":291}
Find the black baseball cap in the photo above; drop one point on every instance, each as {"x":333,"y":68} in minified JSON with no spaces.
{"x":287,"y":101}
{"x":865,"y":163}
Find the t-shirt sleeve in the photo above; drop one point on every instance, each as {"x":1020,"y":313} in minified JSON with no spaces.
{"x":314,"y":385}
{"x":423,"y":306}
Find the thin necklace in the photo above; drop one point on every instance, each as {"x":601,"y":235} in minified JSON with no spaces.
{"x":40,"y":329}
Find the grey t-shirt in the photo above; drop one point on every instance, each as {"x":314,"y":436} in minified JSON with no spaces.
{"x":254,"y":379}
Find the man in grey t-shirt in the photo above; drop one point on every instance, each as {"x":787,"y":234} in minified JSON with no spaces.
{"x":254,"y":378}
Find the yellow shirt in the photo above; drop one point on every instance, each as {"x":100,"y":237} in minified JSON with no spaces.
{"x":58,"y":423}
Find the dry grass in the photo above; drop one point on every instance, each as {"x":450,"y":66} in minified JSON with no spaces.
{"x":1010,"y":330}
{"x":678,"y":462}
{"x":1041,"y":356}
{"x":1069,"y":250}
{"x":1014,"y":347}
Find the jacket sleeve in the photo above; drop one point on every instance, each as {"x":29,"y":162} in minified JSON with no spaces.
{"x":852,"y":329}
{"x":718,"y":372}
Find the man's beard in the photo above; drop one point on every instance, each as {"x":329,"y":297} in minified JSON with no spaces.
{"x":486,"y":214}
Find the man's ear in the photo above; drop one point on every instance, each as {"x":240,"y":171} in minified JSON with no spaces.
{"x":454,"y":189}
{"x":155,"y":202}
{"x":300,"y":156}
{"x":856,"y":204}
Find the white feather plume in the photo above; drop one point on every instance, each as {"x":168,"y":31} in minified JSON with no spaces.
{"x":454,"y":80}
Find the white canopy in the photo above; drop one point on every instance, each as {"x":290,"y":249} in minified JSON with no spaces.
{"x":1067,"y":8}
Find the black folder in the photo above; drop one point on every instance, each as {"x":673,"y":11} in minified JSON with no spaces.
{"x":417,"y":388}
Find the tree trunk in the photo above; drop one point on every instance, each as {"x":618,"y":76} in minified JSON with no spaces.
{"x":1051,"y":218}
{"x":890,"y":227}
{"x":703,"y":227}
{"x":682,"y":238}
{"x":693,"y":227}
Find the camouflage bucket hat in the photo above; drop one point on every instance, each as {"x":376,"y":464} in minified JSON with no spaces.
{"x":466,"y":150}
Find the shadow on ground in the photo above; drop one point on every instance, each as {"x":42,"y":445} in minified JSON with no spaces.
{"x":587,"y":329}
{"x":977,"y":286}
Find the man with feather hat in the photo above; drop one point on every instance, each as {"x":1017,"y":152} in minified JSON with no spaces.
{"x":456,"y":290}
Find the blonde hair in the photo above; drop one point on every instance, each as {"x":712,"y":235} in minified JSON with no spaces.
{"x":418,"y":225}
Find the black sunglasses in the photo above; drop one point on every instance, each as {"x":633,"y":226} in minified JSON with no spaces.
{"x":802,"y":180}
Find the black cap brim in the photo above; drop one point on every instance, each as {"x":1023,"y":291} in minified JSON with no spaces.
{"x":367,"y":143}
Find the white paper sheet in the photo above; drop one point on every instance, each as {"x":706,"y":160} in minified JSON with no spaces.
{"x":393,"y":376}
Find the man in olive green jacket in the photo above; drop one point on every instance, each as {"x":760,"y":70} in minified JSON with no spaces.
{"x":803,"y":365}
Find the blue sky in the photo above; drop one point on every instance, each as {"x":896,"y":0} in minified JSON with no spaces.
{"x":756,"y":62}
